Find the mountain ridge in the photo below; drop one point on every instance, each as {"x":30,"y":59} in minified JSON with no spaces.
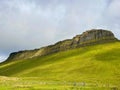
{"x":97,"y":64}
{"x":88,"y":37}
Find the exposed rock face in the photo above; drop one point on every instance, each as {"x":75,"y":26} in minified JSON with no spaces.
{"x":93,"y":36}
{"x":86,"y":38}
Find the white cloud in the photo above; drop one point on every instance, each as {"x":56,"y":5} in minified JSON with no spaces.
{"x":2,"y":58}
{"x":113,"y":9}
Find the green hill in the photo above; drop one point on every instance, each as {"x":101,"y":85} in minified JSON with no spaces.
{"x":90,"y":61}
{"x":96,"y":64}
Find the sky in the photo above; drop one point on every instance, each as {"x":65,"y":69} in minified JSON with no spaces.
{"x":30,"y":24}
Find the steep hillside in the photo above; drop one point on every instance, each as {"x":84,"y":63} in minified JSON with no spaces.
{"x":90,"y":64}
{"x":90,"y":61}
{"x":86,"y":38}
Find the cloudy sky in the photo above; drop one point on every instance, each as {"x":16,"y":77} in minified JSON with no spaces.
{"x":29,"y":24}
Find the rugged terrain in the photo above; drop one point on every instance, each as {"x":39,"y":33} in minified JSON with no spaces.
{"x":89,"y":37}
{"x":90,"y":63}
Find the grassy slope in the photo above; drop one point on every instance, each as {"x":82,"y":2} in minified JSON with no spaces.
{"x":97,"y":63}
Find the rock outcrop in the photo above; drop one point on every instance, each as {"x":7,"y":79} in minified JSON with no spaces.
{"x":86,"y":38}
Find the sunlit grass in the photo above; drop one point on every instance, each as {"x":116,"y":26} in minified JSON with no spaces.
{"x":98,"y":65}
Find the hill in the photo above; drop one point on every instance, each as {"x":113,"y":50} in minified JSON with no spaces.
{"x":89,"y":37}
{"x":94,"y":66}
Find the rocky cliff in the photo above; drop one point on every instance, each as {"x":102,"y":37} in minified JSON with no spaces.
{"x":86,"y":38}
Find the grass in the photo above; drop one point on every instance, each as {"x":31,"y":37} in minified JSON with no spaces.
{"x":11,"y":83}
{"x":96,"y":67}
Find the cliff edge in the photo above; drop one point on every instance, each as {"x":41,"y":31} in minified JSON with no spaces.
{"x":89,"y":37}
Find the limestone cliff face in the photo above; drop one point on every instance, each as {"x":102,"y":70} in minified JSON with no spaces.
{"x":86,"y":38}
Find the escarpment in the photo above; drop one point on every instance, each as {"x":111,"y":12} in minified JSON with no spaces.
{"x":86,"y":38}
